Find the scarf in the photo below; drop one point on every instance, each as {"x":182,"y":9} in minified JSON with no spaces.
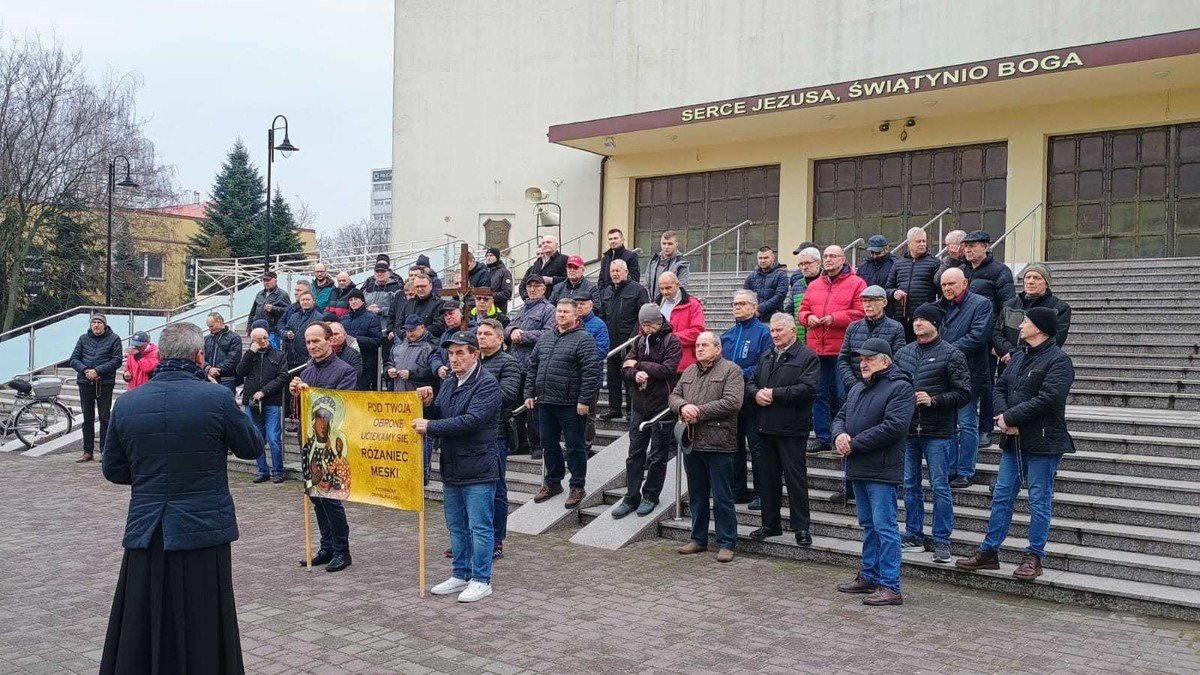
{"x":176,"y":365}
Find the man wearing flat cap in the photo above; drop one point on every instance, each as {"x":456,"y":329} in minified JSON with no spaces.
{"x":879,"y":263}
{"x":1031,"y":399}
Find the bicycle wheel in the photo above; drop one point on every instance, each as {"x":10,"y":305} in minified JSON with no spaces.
{"x":40,"y":421}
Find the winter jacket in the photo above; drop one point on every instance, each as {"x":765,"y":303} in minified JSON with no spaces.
{"x":744,"y":344}
{"x":501,"y":282}
{"x":382,"y":296}
{"x":428,"y":308}
{"x":339,"y":303}
{"x":330,"y":373}
{"x":877,"y":415}
{"x":323,"y":294}
{"x":354,"y":359}
{"x":168,"y":440}
{"x":658,"y":356}
{"x":676,"y":263}
{"x":555,"y":268}
{"x":297,"y":322}
{"x":621,"y":303}
{"x":876,"y":272}
{"x":1006,"y":333}
{"x":916,"y":278}
{"x":479,"y":276}
{"x":792,"y":378}
{"x":840,"y":298}
{"x":536,"y":318}
{"x":859,"y":332}
{"x":939,"y":370}
{"x":595,"y":327}
{"x":466,"y":417}
{"x":1032,"y":396}
{"x":621,"y":253}
{"x":278,"y":300}
{"x":799,"y":283}
{"x":473,"y":317}
{"x":507,"y":371}
{"x":993,"y":280}
{"x":718,"y":391}
{"x":141,"y":366}
{"x":563,"y":368}
{"x":415,"y":356}
{"x":223,"y":351}
{"x":567,"y":290}
{"x":968,"y":326}
{"x":265,"y":370}
{"x":99,"y":352}
{"x":687,"y":322}
{"x":772,"y":288}
{"x":363,"y":326}
{"x":945,"y":263}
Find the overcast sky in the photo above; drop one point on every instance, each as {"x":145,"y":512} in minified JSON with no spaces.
{"x":216,"y":70}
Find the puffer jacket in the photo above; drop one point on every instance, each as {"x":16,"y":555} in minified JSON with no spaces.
{"x":563,"y":368}
{"x":744,"y":343}
{"x":621,"y":303}
{"x":141,"y":366}
{"x":993,"y":280}
{"x":939,"y":370}
{"x":915,"y":277}
{"x":658,"y":356}
{"x":382,"y":296}
{"x":718,"y":391}
{"x":99,"y":352}
{"x":223,"y":351}
{"x":466,"y":417}
{"x":266,"y":371}
{"x":877,"y":415}
{"x":415,"y":356}
{"x":1006,"y":333}
{"x":968,"y":326}
{"x":479,"y":276}
{"x":840,"y":298}
{"x":792,"y":379}
{"x":772,"y":288}
{"x":567,"y":290}
{"x":859,"y":332}
{"x":595,"y":325}
{"x":687,"y":322}
{"x":323,"y":294}
{"x":876,"y":272}
{"x":428,"y":308}
{"x":339,"y":302}
{"x":363,"y":326}
{"x":501,"y":282}
{"x":799,"y":284}
{"x":657,"y":265}
{"x":1032,"y":396}
{"x":297,"y":322}
{"x":354,"y":359}
{"x":535,"y":320}
{"x":945,"y":263}
{"x":507,"y":372}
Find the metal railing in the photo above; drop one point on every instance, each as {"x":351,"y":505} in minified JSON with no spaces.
{"x":619,"y":348}
{"x":657,"y":419}
{"x":737,"y":265}
{"x":925,"y":227}
{"x":1033,"y":239}
{"x":852,"y":248}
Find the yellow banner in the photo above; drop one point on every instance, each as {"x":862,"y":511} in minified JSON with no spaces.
{"x":360,"y":446}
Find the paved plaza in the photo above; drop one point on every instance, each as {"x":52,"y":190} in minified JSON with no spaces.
{"x":557,"y":607}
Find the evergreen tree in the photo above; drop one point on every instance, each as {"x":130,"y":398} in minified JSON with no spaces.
{"x":235,"y":210}
{"x":70,"y":270}
{"x":284,"y":237}
{"x":129,"y":288}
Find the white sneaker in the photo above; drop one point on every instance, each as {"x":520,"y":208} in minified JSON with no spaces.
{"x":476,"y":590}
{"x":449,"y":586}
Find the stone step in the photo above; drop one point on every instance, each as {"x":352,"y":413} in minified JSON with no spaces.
{"x":1138,"y":446}
{"x":1125,"y":264}
{"x":1133,"y":421}
{"x":516,"y":481}
{"x":1100,"y":462}
{"x":1131,"y":358}
{"x":1175,"y":276}
{"x":1137,"y":384}
{"x":1089,"y":299}
{"x":1088,"y":303}
{"x":1135,"y":334}
{"x":1122,"y":399}
{"x":1097,"y":367}
{"x":1147,"y":345}
{"x":1060,"y":586}
{"x":1162,"y":322}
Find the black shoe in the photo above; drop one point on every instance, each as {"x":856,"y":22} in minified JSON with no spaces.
{"x":261,"y":479}
{"x":278,"y":479}
{"x":322,"y":557}
{"x":340,"y":562}
{"x":535,"y":454}
{"x":611,"y":415}
{"x":803,"y":538}
{"x":960,"y":483}
{"x":762,"y":533}
{"x":498,"y":552}
{"x":817,"y":447}
{"x":840,"y":497}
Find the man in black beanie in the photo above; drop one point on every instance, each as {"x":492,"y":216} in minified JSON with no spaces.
{"x":942,"y":383}
{"x":1031,"y":399}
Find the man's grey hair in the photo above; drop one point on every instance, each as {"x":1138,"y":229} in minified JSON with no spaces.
{"x":912,"y":232}
{"x":618,"y":263}
{"x":955,"y":236}
{"x":302,"y":283}
{"x":710,"y":337}
{"x":746,"y":294}
{"x":810,"y":253}
{"x":784,"y":318}
{"x":180,"y":341}
{"x":216,"y":316}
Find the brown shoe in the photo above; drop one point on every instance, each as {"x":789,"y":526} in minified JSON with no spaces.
{"x":574,"y":497}
{"x":546,"y":493}
{"x":980,"y":560}
{"x":1030,"y":567}
{"x":87,"y":457}
{"x":691,"y":547}
{"x":725,"y":555}
{"x":859,"y":585}
{"x":883,"y":596}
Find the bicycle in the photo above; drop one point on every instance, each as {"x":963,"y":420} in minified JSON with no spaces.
{"x":37,"y":415}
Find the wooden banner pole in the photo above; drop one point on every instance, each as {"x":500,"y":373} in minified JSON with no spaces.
{"x":421,"y":550}
{"x":307,"y":534}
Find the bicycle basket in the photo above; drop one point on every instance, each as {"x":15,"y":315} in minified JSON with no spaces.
{"x":46,"y":387}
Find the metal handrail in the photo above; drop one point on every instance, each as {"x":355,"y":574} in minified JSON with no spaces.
{"x":74,"y":310}
{"x":737,"y":264}
{"x":853,"y":251}
{"x":938,"y":218}
{"x":653,"y":420}
{"x":620,"y":347}
{"x":1032,"y":212}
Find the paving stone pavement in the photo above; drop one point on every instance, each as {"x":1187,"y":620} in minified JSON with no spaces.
{"x":557,"y":607}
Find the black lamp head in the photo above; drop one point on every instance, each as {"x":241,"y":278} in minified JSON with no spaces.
{"x":127,"y":183}
{"x":286,"y":146}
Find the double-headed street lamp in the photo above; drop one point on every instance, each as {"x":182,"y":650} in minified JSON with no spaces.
{"x":285,"y":148}
{"x":113,"y":185}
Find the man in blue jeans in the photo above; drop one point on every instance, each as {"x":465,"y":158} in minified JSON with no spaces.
{"x":870,"y":431}
{"x":264,"y":371}
{"x":942,"y":383}
{"x":966,"y":325}
{"x":465,"y":415}
{"x":1031,"y":399}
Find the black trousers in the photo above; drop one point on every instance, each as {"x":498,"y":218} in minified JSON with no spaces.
{"x":615,"y":385}
{"x":748,"y":444}
{"x":96,"y":399}
{"x":657,"y":439}
{"x":783,"y":461}
{"x":331,"y":521}
{"x":529,"y":435}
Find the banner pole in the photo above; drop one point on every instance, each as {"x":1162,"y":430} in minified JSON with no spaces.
{"x":307,"y":534}
{"x":421,"y":550}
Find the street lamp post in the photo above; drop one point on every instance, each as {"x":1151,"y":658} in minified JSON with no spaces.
{"x":285,"y":148}
{"x":112,"y":186}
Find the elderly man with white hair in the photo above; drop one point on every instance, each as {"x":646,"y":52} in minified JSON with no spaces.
{"x":550,"y":265}
{"x":264,"y":373}
{"x":621,"y":300}
{"x":911,"y":282}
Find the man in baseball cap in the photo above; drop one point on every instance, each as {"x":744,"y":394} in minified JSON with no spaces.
{"x":574,"y":282}
{"x":879,"y":263}
{"x":140,"y":360}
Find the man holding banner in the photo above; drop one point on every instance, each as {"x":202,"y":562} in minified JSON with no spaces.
{"x":327,"y":371}
{"x":465,"y":416}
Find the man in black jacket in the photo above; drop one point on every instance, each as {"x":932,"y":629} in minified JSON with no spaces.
{"x":270,"y":303}
{"x":1031,"y":398}
{"x":1006,"y":340}
{"x":617,"y":251}
{"x":550,"y":266}
{"x":878,"y":266}
{"x":994,"y":281}
{"x":561,"y":382}
{"x":621,"y":302}
{"x":426,"y":304}
{"x":869,"y":432}
{"x":911,"y":281}
{"x":649,"y":370}
{"x":783,"y":387}
{"x":222,"y":351}
{"x":264,"y":373}
{"x":942,"y":382}
{"x":507,"y":371}
{"x":574,"y":283}
{"x":96,"y":358}
{"x":501,"y":279}
{"x":363,"y":327}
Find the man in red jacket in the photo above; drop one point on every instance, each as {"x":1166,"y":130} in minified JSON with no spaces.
{"x":140,"y":360}
{"x":685,"y":314}
{"x":831,"y":303}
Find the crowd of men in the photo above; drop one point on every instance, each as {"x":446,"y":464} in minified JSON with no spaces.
{"x":907,"y":360}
